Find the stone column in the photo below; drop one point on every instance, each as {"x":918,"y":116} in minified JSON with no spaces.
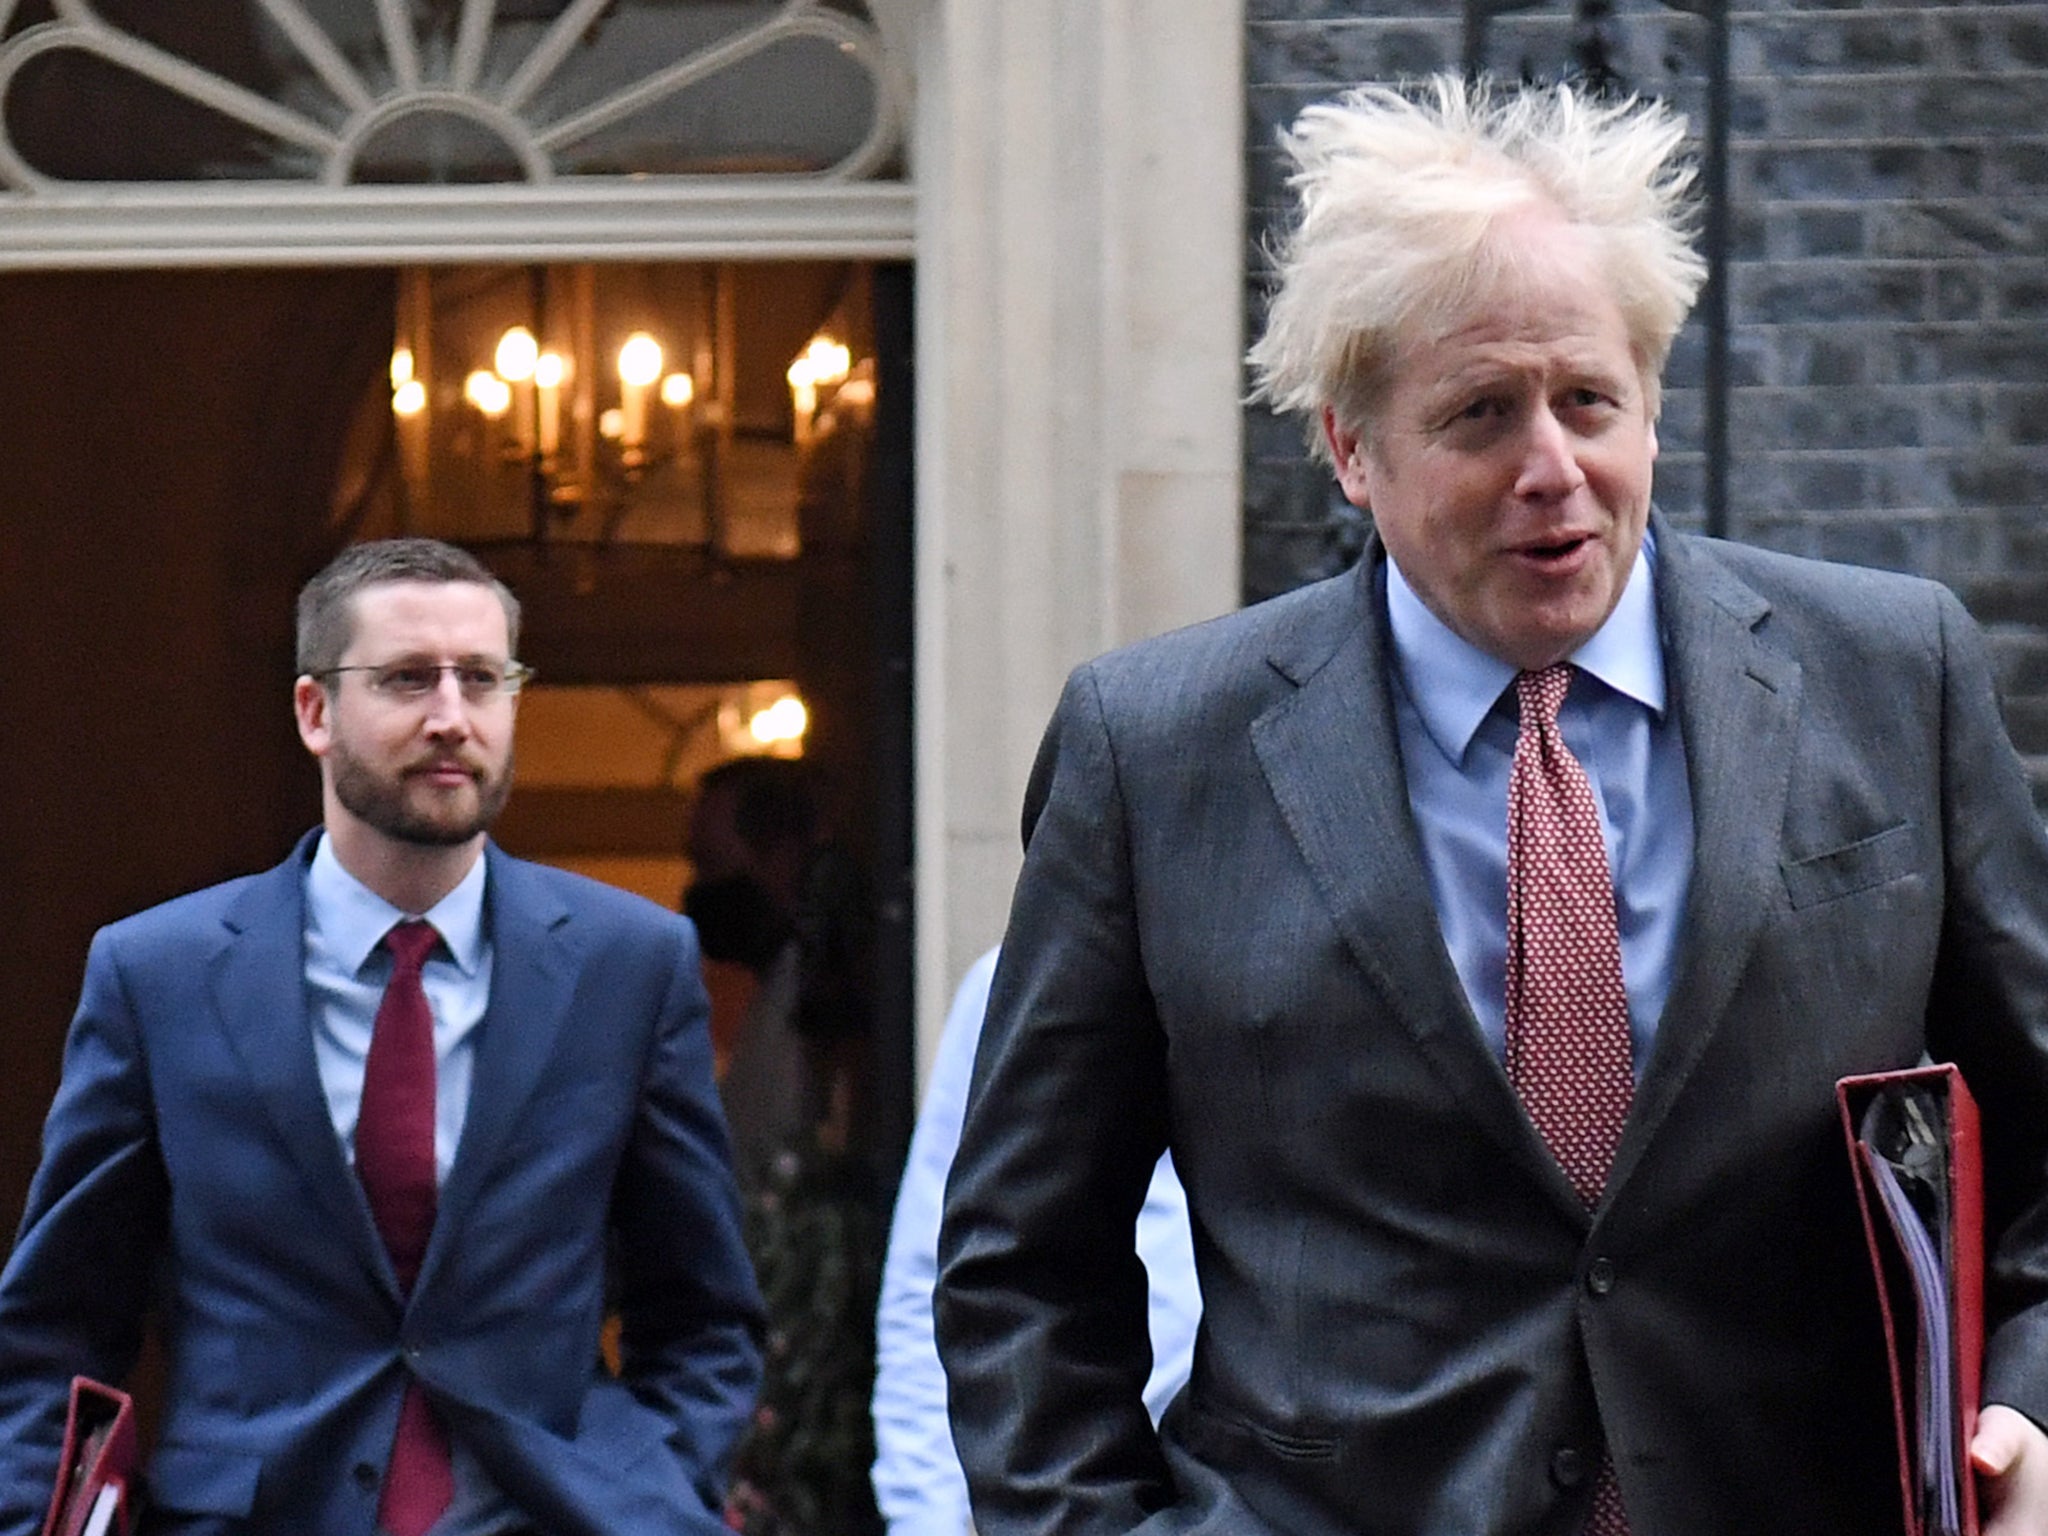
{"x":1080,"y":175}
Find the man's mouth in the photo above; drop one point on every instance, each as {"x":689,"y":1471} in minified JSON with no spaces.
{"x":444,"y":773}
{"x":1553,"y":551}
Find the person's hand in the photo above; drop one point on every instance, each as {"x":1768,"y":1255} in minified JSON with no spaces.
{"x":2010,"y":1453}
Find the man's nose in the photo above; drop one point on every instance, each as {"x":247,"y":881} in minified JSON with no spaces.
{"x":1550,"y":462}
{"x":447,"y":709}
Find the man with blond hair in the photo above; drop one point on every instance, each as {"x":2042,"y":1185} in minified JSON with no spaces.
{"x":1484,"y":931}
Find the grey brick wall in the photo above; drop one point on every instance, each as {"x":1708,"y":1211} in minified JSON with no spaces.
{"x":1888,"y":300}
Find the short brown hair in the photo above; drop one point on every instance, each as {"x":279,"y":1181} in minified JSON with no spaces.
{"x":326,"y":612}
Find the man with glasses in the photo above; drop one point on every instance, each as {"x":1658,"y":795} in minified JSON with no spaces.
{"x":363,"y":1134}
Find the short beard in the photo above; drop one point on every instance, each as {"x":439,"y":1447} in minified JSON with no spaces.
{"x":381,"y":804}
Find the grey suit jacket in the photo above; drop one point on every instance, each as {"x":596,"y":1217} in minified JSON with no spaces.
{"x":1223,"y":941}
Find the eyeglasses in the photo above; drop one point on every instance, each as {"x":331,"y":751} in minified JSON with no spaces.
{"x":407,"y":682}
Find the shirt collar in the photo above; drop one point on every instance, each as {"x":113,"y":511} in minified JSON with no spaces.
{"x":353,"y":919}
{"x":1454,"y":685}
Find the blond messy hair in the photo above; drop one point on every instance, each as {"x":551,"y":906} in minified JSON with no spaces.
{"x":1404,"y":194}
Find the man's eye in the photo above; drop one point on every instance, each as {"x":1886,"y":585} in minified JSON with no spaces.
{"x":409,"y":679}
{"x":480,"y":678}
{"x":1485,"y":408}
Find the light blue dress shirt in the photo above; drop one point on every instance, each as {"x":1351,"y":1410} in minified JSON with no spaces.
{"x":1455,"y":713}
{"x":346,"y":969}
{"x":918,"y":1483}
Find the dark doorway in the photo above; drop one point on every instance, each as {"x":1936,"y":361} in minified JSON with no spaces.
{"x":186,"y":447}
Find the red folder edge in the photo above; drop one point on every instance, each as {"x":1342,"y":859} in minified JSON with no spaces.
{"x":80,"y":1477}
{"x":1966,"y":1206}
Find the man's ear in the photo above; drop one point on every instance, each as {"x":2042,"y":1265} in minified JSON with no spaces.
{"x":310,"y":706}
{"x":1347,"y":449}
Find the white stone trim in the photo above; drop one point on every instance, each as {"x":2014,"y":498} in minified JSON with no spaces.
{"x":257,"y":224}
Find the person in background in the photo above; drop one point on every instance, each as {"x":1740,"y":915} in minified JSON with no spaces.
{"x":1485,"y":929}
{"x":774,"y":892}
{"x":918,"y":1483}
{"x":360,"y":1133}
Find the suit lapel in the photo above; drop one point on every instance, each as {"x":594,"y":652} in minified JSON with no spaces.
{"x":532,"y":983}
{"x":1738,"y":704}
{"x":259,"y":994}
{"x":1332,"y":760}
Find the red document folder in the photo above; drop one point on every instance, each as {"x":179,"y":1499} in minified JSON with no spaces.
{"x":91,"y":1496}
{"x":1914,"y":1145}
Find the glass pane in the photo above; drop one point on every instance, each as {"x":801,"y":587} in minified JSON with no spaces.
{"x":436,"y":148}
{"x":629,"y":41}
{"x":136,"y":129}
{"x":799,"y":105}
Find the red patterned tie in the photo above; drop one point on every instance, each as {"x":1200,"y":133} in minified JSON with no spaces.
{"x":395,"y":1162}
{"x":1567,"y":1010}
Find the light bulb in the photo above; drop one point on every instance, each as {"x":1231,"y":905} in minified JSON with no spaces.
{"x":487,"y":392}
{"x":784,"y":720}
{"x":516,"y":355}
{"x":640,"y":360}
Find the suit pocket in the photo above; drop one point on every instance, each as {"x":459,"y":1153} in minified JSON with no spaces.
{"x":1222,"y":1439}
{"x":617,"y":1431}
{"x":1872,"y":861}
{"x":202,"y":1480}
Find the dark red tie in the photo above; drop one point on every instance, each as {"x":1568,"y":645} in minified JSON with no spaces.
{"x":1567,"y":1009}
{"x":395,"y":1161}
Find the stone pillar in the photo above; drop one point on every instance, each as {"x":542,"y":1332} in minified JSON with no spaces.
{"x":1079,"y":172}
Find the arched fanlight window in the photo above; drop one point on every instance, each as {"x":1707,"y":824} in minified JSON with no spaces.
{"x":352,"y":91}
{"x":374,"y":118}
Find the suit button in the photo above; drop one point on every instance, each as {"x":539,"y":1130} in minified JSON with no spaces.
{"x":1568,"y":1467}
{"x":1600,"y":1276}
{"x":365,"y":1476}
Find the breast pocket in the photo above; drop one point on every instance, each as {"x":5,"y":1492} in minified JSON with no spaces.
{"x":1859,"y":866}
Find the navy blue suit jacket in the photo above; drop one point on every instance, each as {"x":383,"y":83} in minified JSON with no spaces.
{"x":190,"y":1164}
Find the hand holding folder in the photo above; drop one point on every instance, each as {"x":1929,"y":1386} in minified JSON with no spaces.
{"x":1914,"y":1147}
{"x":97,"y":1466}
